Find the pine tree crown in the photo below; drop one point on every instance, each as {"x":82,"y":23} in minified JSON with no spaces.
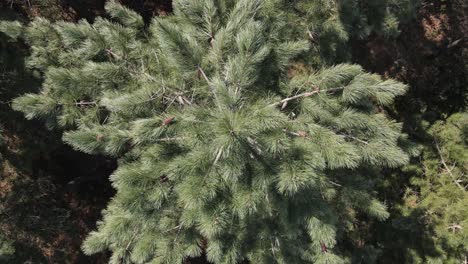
{"x":224,"y":149}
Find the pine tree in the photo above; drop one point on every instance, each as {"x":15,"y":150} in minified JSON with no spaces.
{"x":7,"y":249}
{"x":223,"y":151}
{"x":439,"y":190}
{"x":333,"y":25}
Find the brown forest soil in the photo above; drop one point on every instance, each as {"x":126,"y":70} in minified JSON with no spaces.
{"x":49,"y":216}
{"x":50,"y":195}
{"x":73,"y":10}
{"x":430,"y":55}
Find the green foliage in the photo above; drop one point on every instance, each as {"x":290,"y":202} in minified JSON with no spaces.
{"x":124,"y":15}
{"x":333,"y":26}
{"x":442,"y":188}
{"x":11,"y":29}
{"x":6,"y":249}
{"x":221,"y":151}
{"x":52,"y":9}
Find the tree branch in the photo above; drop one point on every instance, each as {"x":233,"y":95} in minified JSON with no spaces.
{"x":203,"y":74}
{"x":449,"y":171}
{"x":355,"y":138}
{"x":307,"y":94}
{"x":208,"y":81}
{"x":305,"y":135}
{"x":85,"y":103}
{"x":169,"y":139}
{"x":295,"y":97}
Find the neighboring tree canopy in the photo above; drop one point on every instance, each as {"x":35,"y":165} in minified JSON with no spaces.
{"x":333,"y":26}
{"x":6,"y":249}
{"x":223,"y":149}
{"x":441,"y":190}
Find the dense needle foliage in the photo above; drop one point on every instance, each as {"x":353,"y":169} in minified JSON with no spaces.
{"x":333,"y":27}
{"x":222,"y":149}
{"x":440,"y":190}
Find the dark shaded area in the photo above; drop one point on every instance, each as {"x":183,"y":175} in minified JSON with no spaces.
{"x":46,"y":206}
{"x":72,"y":10}
{"x":431,"y":56}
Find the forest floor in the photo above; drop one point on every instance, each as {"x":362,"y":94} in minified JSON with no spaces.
{"x":51,"y":196}
{"x":430,"y":55}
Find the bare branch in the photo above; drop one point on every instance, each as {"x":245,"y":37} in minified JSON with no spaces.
{"x":178,"y":232}
{"x":355,"y":138}
{"x":218,"y":156}
{"x":110,"y":52}
{"x":447,"y":168}
{"x":208,"y":81}
{"x":82,"y":103}
{"x":295,"y":97}
{"x":170,"y":139}
{"x":174,"y":228}
{"x":203,"y":74}
{"x":307,"y":94}
{"x":455,"y":227}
